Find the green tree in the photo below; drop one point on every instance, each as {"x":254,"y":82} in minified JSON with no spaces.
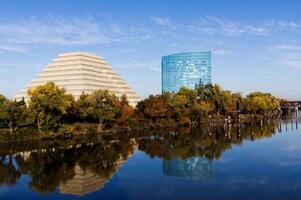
{"x":103,"y":106}
{"x":83,"y":106}
{"x":49,"y":104}
{"x":12,"y":113}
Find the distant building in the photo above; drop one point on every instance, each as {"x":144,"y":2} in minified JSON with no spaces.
{"x":197,"y":167}
{"x":189,"y":70}
{"x":80,"y":72}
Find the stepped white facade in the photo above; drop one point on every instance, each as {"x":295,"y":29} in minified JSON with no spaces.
{"x":80,"y":72}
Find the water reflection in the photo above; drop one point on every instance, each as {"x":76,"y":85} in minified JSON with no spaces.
{"x":86,"y":181}
{"x":196,"y":167}
{"x":76,"y":169}
{"x":83,"y":167}
{"x":209,"y":142}
{"x":190,"y":153}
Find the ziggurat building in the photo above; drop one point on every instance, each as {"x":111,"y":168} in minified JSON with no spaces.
{"x":80,"y":72}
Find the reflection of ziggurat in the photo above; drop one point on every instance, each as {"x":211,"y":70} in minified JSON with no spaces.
{"x":85,"y":181}
{"x":198,"y":168}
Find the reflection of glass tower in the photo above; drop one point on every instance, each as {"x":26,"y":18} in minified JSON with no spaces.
{"x":189,"y":69}
{"x":195,"y":167}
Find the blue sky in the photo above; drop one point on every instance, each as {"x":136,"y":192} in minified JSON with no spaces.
{"x":255,"y":44}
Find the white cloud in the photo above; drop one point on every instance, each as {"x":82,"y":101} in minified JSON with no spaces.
{"x":282,"y":24}
{"x":233,"y":28}
{"x":53,"y":30}
{"x":264,"y":72}
{"x":293,"y":63}
{"x":23,"y":34}
{"x":13,"y":48}
{"x":221,"y":52}
{"x":163,"y":21}
{"x":287,"y":47}
{"x":153,"y":65}
{"x":214,"y":25}
{"x":157,"y":69}
{"x":17,"y":65}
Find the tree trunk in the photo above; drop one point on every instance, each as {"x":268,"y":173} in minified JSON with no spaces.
{"x":39,"y":124}
{"x":100,"y":125}
{"x":10,"y":126}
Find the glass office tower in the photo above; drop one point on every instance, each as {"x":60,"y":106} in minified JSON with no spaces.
{"x":189,"y":70}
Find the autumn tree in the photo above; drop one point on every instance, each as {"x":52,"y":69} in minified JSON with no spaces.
{"x":154,"y":107}
{"x":261,"y":103}
{"x":125,"y":111}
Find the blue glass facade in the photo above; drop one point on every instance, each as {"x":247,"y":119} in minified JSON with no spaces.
{"x":189,"y":70}
{"x":198,"y":168}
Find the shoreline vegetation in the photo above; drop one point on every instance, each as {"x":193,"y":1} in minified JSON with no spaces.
{"x":52,"y":113}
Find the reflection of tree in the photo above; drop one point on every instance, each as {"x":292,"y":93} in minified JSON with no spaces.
{"x":209,"y":142}
{"x":97,"y":164}
{"x":103,"y":158}
{"x":50,"y":167}
{"x":189,"y":153}
{"x":51,"y":164}
{"x":9,"y":174}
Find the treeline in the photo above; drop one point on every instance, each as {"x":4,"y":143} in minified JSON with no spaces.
{"x":50,"y":108}
{"x":206,"y":103}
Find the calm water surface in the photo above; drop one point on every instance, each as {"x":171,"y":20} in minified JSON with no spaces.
{"x":246,"y":162}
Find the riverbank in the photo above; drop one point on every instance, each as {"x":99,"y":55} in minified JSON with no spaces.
{"x":79,"y":131}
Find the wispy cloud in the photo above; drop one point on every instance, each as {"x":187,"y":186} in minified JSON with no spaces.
{"x":215,"y":25}
{"x":264,"y":72}
{"x":153,"y":65}
{"x":53,"y":30}
{"x":157,"y":69}
{"x":13,"y":48}
{"x":163,"y":21}
{"x":222,"y":52}
{"x":22,"y":34}
{"x":17,"y":65}
{"x":293,"y":63}
{"x":231,"y":28}
{"x":285,"y":25}
{"x":287,"y":47}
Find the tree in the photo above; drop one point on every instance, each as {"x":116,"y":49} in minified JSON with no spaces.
{"x":2,"y":100}
{"x":83,"y":106}
{"x":224,"y":101}
{"x":13,"y":113}
{"x":206,"y":107}
{"x":125,"y":111}
{"x":103,"y":106}
{"x":154,"y":107}
{"x":261,"y":103}
{"x":49,"y":104}
{"x":179,"y":102}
